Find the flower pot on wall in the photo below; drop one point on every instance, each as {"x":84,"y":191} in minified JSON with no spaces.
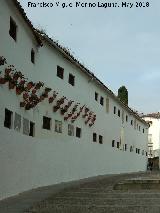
{"x":11,"y":85}
{"x":50,"y":100}
{"x":19,"y":91}
{"x":30,"y":85}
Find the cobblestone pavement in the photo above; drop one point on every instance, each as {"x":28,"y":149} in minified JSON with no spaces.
{"x":98,"y":196}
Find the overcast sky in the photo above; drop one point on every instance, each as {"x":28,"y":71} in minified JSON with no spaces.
{"x":121,"y":46}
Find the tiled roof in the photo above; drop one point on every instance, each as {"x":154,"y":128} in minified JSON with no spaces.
{"x":152,"y":115}
{"x":42,"y":36}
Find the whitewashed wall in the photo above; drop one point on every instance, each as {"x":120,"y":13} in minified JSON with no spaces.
{"x":30,"y":162}
{"x":51,"y":157}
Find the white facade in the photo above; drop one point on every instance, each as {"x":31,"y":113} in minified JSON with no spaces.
{"x":51,"y":157}
{"x":153,"y":134}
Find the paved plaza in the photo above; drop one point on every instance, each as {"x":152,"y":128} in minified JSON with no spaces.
{"x":94,"y":195}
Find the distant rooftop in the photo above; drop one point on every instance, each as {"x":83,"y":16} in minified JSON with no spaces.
{"x":152,"y":115}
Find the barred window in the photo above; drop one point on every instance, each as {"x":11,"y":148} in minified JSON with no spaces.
{"x":70,"y":130}
{"x":17,"y":122}
{"x":25,"y":126}
{"x":58,"y":126}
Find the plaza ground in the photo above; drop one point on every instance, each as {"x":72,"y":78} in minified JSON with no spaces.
{"x":92,"y":195}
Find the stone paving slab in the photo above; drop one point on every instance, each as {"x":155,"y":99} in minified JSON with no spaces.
{"x":94,"y":195}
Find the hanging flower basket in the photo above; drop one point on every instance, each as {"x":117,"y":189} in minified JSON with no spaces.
{"x":47,"y":89}
{"x":68,"y":116}
{"x":56,"y":108}
{"x":25,"y":96}
{"x":30,"y":85}
{"x":34,"y":91}
{"x":51,"y":99}
{"x":11,"y":84}
{"x":39,"y":85}
{"x":17,"y":75}
{"x":45,"y":94}
{"x":8,"y":70}
{"x":63,"y":111}
{"x":18,"y":91}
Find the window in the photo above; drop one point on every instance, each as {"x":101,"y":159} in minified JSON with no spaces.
{"x":146,"y":154}
{"x":17,"y":122}
{"x":125,"y":147}
{"x":70,"y":130}
{"x":114,"y":110}
{"x":71,"y":79}
{"x":94,"y":137}
{"x":113,"y":143}
{"x":100,"y":139}
{"x":126,"y":118}
{"x":119,"y":113}
{"x":131,"y":148}
{"x":58,"y":126}
{"x":118,"y":144}
{"x":78,"y":132}
{"x":107,"y":105}
{"x":136,"y":150}
{"x":96,"y":96}
{"x":32,"y":129}
{"x":13,"y":29}
{"x":26,"y":130}
{"x":32,"y":56}
{"x":60,"y":72}
{"x":46,"y":123}
{"x":132,"y":122}
{"x":8,"y":119}
{"x":102,"y":101}
{"x":143,"y":130}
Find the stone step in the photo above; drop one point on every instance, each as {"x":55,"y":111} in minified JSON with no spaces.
{"x":96,"y":209}
{"x":106,"y":201}
{"x":109,"y":195}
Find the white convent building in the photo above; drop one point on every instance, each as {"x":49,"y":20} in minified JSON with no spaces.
{"x":58,"y":122}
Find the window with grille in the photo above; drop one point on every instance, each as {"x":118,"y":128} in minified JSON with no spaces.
{"x":58,"y":126}
{"x":17,"y":122}
{"x":26,"y":126}
{"x":70,"y":130}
